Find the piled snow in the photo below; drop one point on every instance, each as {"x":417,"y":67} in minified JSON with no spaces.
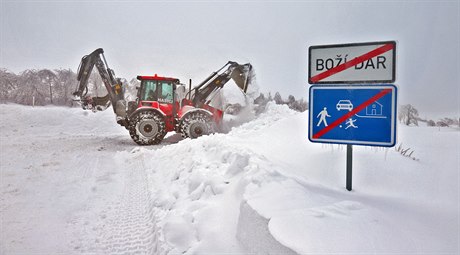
{"x":262,"y":188}
{"x":198,"y":186}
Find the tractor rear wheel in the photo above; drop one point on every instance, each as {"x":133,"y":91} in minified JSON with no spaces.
{"x":197,"y":124}
{"x":147,"y":128}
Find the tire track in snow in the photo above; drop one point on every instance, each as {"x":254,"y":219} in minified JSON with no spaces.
{"x":87,"y":171}
{"x":131,"y":230}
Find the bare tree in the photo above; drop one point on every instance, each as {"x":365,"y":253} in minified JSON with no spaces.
{"x":303,"y":105}
{"x":407,"y":114}
{"x":278,"y":99}
{"x":29,"y":88}
{"x":48,"y":79}
{"x":260,"y":99}
{"x":67,"y":81}
{"x":8,"y":84}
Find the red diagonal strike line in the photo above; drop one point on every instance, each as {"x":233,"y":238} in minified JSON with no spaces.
{"x":351,"y":113}
{"x":353,"y":62}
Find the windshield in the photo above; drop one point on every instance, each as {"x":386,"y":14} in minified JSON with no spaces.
{"x":161,"y":91}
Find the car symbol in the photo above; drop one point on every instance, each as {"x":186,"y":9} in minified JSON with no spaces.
{"x":344,"y":105}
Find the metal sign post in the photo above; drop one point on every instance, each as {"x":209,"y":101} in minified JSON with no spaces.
{"x":349,"y":166}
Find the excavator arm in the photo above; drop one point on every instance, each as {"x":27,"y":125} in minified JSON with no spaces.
{"x":112,"y":85}
{"x":241,"y":75}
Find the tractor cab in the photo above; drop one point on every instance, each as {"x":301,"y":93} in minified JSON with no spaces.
{"x":159,"y":93}
{"x":156,"y":89}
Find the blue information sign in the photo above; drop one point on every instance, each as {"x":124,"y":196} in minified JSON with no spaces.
{"x":353,"y":114}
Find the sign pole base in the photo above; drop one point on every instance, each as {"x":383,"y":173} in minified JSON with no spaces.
{"x":349,"y":166}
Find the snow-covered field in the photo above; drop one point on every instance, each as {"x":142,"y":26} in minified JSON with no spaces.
{"x":73,"y":182}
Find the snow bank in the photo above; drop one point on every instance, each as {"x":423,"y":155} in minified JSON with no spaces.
{"x":197,"y":187}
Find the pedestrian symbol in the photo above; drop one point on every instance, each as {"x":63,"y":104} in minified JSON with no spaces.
{"x":322,"y":117}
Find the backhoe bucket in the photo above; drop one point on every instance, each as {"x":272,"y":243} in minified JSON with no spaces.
{"x":243,"y":75}
{"x":84,"y":71}
{"x":115,"y":93}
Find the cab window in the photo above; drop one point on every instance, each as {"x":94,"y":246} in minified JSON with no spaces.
{"x":149,"y":91}
{"x":166,"y":95}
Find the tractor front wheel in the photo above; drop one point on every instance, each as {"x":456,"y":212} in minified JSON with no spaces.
{"x":147,"y":128}
{"x":196,"y":124}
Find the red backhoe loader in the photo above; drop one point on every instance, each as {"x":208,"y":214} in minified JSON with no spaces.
{"x":163,"y":104}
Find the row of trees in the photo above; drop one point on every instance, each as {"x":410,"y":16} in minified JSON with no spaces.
{"x":297,"y":105}
{"x":408,"y":115}
{"x":38,"y":87}
{"x":261,"y":101}
{"x":45,"y":86}
{"x":444,"y":122}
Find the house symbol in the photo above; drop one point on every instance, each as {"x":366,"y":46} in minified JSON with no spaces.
{"x":375,"y":109}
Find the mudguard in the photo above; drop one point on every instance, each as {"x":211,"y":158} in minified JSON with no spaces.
{"x":141,"y":109}
{"x":188,"y":109}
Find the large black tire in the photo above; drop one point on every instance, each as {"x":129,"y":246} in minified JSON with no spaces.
{"x":196,"y":124}
{"x":147,"y":128}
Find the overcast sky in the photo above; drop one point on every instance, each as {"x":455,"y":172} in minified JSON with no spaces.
{"x":191,"y":39}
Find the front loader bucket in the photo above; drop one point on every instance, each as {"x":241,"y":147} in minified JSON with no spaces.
{"x":243,"y":75}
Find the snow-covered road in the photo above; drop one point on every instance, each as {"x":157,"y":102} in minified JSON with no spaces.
{"x":73,"y":182}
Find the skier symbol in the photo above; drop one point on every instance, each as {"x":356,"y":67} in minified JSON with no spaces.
{"x":322,"y":117}
{"x":350,"y":123}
